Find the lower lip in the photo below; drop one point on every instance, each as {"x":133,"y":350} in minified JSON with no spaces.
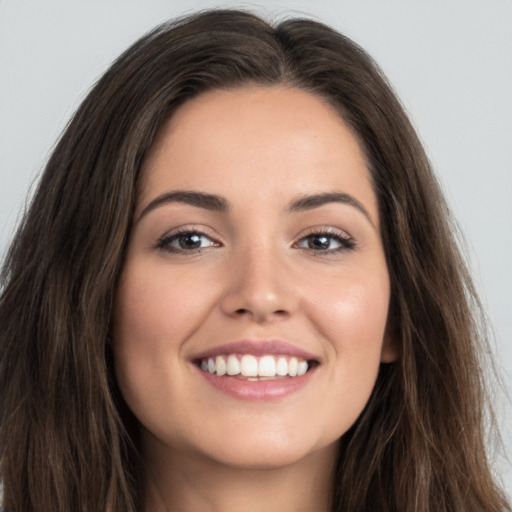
{"x":256,"y":390}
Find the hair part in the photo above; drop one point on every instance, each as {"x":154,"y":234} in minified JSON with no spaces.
{"x":68,"y":441}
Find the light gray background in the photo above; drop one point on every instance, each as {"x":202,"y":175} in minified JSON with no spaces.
{"x":449,"y":60}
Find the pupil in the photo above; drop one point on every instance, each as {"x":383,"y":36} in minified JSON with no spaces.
{"x":190,"y":241}
{"x":319,"y":242}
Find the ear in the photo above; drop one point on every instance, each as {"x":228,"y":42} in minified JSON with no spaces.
{"x":390,"y":349}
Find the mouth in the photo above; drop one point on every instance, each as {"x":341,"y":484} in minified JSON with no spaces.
{"x":254,"y":368}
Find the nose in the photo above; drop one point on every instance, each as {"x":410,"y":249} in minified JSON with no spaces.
{"x":260,"y":287}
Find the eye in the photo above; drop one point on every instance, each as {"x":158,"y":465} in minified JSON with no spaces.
{"x":186,"y":241}
{"x":326,"y":242}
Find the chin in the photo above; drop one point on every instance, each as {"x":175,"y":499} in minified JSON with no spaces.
{"x":259,"y":452}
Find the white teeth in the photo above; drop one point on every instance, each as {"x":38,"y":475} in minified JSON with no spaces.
{"x":254,"y":368}
{"x":303,"y":368}
{"x":267,"y":367}
{"x":249,"y":366}
{"x":282,"y":366}
{"x":220,"y":364}
{"x":293,"y":366}
{"x":233,"y":366}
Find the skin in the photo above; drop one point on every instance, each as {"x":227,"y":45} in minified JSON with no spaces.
{"x":255,"y":277}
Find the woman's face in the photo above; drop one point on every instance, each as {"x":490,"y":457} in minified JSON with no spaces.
{"x":255,"y":255}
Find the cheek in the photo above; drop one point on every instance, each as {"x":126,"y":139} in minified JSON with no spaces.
{"x":148,"y":317}
{"x":351,"y":319}
{"x":350,"y":309}
{"x":155,"y":313}
{"x":154,"y":310}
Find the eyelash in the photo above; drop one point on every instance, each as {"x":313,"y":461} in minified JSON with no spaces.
{"x":346,"y":242}
{"x":163,"y":243}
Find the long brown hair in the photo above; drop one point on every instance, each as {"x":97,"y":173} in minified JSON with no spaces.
{"x":68,"y":442}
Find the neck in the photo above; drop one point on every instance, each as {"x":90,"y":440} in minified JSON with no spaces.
{"x":185,"y":482}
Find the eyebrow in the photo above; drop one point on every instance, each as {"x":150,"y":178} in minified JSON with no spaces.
{"x":219,"y":204}
{"x":198,"y":199}
{"x":309,"y":202}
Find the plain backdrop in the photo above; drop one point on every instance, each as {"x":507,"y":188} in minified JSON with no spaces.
{"x":450,"y":62}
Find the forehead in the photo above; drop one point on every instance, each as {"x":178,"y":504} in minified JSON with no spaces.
{"x":262,"y":140}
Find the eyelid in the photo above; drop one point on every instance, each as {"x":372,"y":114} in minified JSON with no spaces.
{"x":347,"y":241}
{"x":172,"y":234}
{"x":326,"y":229}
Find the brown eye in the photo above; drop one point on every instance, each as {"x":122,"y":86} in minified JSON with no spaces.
{"x":189,"y":241}
{"x":186,"y":241}
{"x":326,"y":242}
{"x":319,"y":242}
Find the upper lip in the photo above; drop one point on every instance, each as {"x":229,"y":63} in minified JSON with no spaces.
{"x":257,"y":348}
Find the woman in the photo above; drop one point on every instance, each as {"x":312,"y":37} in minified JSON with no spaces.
{"x":237,"y":287}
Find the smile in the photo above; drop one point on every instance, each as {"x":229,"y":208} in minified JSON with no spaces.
{"x":250,"y":367}
{"x":257,"y":369}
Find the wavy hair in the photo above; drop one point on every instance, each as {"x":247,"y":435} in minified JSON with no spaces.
{"x":68,"y":441}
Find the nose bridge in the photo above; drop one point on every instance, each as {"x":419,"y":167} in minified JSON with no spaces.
{"x":258,"y":283}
